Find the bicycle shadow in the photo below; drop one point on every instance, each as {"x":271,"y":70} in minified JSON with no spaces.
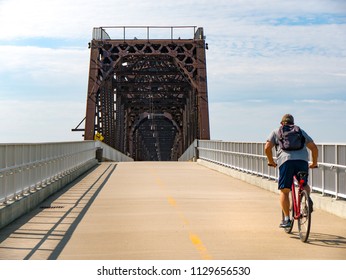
{"x":324,"y":240}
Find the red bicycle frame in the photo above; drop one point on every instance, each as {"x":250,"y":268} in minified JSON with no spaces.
{"x":295,"y":199}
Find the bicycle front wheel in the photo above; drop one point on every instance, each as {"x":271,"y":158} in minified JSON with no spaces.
{"x":304,"y":221}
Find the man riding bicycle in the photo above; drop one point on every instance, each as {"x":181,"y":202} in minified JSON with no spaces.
{"x":291,"y":144}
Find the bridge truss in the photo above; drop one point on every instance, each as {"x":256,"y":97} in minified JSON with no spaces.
{"x":147,"y":97}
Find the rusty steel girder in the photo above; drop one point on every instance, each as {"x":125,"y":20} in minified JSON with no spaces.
{"x":147,"y":97}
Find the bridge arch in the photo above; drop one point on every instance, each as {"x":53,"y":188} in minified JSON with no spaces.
{"x":165,"y":78}
{"x":160,"y":127}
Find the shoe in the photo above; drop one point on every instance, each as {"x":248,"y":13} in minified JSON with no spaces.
{"x":285,"y":224}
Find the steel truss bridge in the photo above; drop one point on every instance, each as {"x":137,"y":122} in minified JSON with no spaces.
{"x":147,"y":97}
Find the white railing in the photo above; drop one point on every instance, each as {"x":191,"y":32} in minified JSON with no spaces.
{"x":242,"y":156}
{"x":26,"y":168}
{"x":191,"y":153}
{"x":329,"y":178}
{"x":146,"y":32}
{"x":108,"y":153}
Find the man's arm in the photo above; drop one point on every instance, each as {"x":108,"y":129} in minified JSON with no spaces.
{"x":314,"y":154}
{"x":269,"y":153}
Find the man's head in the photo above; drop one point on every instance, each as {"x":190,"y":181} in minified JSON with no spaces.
{"x":287,"y":119}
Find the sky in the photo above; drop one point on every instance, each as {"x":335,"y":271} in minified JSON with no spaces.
{"x":265,"y":58}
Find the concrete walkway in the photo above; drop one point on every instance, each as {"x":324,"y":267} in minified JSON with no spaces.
{"x":164,"y":211}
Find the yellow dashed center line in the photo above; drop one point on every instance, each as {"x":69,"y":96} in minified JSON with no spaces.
{"x":172,"y":201}
{"x":195,"y":240}
{"x":199,"y":246}
{"x":159,"y":182}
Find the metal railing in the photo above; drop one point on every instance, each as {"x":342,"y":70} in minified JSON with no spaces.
{"x":245,"y":157}
{"x":26,"y":168}
{"x":147,"y":32}
{"x":100,"y":34}
{"x":191,"y":153}
{"x":108,"y":153}
{"x":329,"y":178}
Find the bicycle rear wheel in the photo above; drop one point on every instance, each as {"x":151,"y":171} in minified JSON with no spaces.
{"x":291,"y":214}
{"x":304,"y":221}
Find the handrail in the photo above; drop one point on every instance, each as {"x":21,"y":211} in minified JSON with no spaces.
{"x":249,"y":157}
{"x":106,"y":32}
{"x":26,"y":168}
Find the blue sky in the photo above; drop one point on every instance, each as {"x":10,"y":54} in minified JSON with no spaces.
{"x":265,"y":58}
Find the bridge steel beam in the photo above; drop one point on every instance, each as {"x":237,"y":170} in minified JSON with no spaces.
{"x":147,"y":97}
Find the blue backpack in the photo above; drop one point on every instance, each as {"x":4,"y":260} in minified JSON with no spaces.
{"x":291,"y":138}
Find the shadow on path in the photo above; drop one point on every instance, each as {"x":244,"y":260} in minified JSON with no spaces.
{"x":44,"y":232}
{"x":324,"y":240}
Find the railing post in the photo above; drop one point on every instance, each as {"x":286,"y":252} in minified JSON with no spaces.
{"x":336,"y":172}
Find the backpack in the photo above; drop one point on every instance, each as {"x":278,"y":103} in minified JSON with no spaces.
{"x":291,"y":138}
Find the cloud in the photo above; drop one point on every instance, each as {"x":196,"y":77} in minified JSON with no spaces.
{"x":66,"y":19}
{"x":14,"y":58}
{"x":248,"y":121}
{"x":63,"y":18}
{"x":36,"y":18}
{"x":337,"y":74}
{"x":321,"y":102}
{"x":42,"y":93}
{"x":265,"y":58}
{"x":284,"y":78}
{"x":58,"y":72}
{"x":40,"y":121}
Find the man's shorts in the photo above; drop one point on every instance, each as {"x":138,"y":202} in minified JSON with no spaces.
{"x":290,"y":168}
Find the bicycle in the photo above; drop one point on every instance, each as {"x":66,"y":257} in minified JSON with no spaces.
{"x":300,"y":208}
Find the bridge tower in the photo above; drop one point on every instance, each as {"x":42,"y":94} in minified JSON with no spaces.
{"x":147,"y":97}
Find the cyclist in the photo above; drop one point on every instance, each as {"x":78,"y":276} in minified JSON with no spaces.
{"x":290,"y":162}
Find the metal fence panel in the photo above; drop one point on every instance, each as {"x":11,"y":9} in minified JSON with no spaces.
{"x":28,"y":167}
{"x":329,"y":178}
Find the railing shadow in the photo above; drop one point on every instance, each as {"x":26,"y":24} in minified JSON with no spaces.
{"x":324,"y":240}
{"x":43,"y":233}
{"x":327,"y":240}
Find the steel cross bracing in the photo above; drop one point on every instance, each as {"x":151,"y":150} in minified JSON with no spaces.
{"x":148,"y":98}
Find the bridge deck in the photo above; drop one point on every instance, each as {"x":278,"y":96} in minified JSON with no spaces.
{"x":165,"y":210}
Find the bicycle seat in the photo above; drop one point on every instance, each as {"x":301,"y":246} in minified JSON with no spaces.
{"x":301,"y":175}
